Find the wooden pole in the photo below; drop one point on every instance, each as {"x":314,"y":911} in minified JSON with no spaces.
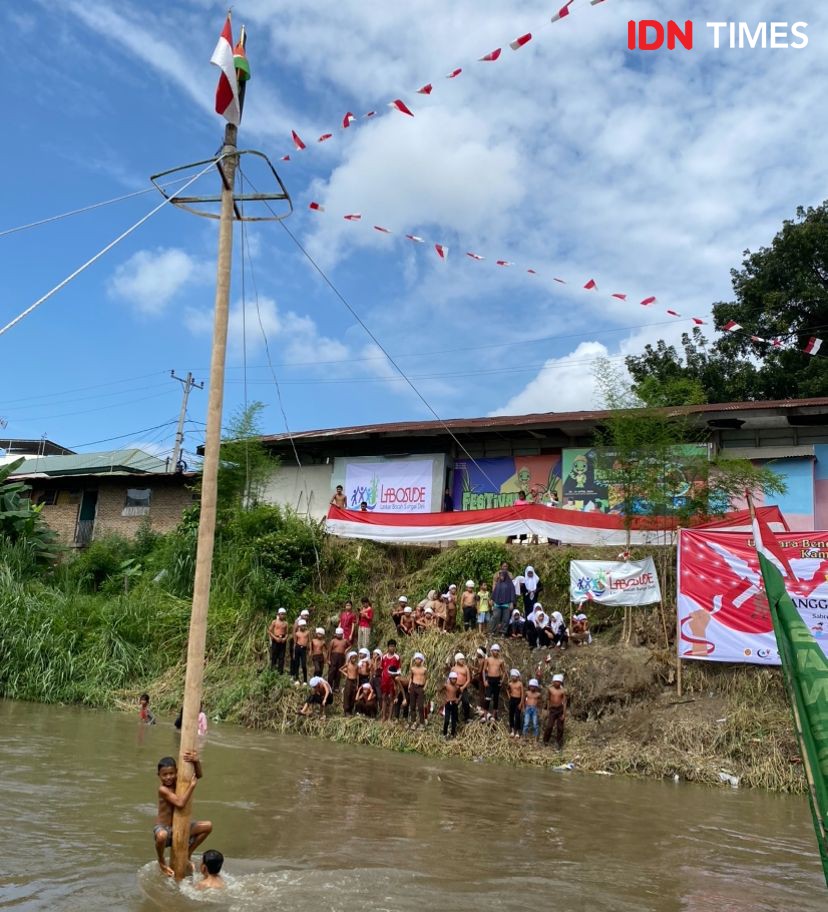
{"x":207,"y":522}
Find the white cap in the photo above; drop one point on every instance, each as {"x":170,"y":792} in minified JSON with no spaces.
{"x":419,"y":655}
{"x":429,"y":611}
{"x":377,"y":652}
{"x":481,"y":652}
{"x":495,"y":648}
{"x":452,"y":586}
{"x":304,"y":613}
{"x":558,"y":677}
{"x":408,"y":609}
{"x":533,"y":682}
{"x":282,"y":611}
{"x":458,"y":656}
{"x":514,"y":673}
{"x":351,"y":655}
{"x":320,"y":631}
{"x":469,"y":584}
{"x":453,"y":674}
{"x":364,"y":651}
{"x":403,"y":599}
{"x":339,"y":632}
{"x":301,"y":623}
{"x":366,"y":686}
{"x":315,"y":682}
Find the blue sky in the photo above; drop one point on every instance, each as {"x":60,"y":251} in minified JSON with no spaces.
{"x":649,"y":173}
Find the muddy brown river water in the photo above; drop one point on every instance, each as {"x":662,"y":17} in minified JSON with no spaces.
{"x":309,"y":826}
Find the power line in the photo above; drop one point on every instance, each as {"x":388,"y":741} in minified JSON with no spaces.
{"x":76,"y":446}
{"x":81,"y":389}
{"x":55,"y":399}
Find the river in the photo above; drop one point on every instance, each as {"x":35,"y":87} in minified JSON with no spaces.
{"x":311,"y":826}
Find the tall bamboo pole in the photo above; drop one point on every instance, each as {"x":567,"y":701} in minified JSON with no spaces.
{"x":207,"y":523}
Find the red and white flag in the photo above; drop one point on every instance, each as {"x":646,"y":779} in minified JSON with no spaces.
{"x":400,"y":106}
{"x":698,"y":322}
{"x":563,"y":11}
{"x":491,"y":56}
{"x":427,"y":89}
{"x":732,"y":326}
{"x":674,"y":313}
{"x":352,"y":217}
{"x":621,"y":297}
{"x":227,"y":90}
{"x":442,"y":251}
{"x":504,"y":263}
{"x":297,"y":141}
{"x":454,"y":73}
{"x":647,"y":301}
{"x":381,"y":229}
{"x":591,"y":285}
{"x":475,"y":256}
{"x":348,"y":119}
{"x":370,"y":114}
{"x":324,"y":137}
{"x":519,"y":42}
{"x":316,"y":207}
{"x":415,"y":238}
{"x":531,"y":272}
{"x":285,"y":158}
{"x":813,"y":346}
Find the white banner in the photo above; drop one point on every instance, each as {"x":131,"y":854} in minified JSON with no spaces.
{"x":393,"y":486}
{"x":614,"y":582}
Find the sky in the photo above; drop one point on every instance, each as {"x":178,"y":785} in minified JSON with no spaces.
{"x":648,"y":172}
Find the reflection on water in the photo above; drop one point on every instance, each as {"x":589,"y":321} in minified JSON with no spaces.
{"x":309,"y":826}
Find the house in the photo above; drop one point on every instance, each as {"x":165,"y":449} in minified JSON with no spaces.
{"x":408,"y":466}
{"x":90,"y":495}
{"x":12,"y":448}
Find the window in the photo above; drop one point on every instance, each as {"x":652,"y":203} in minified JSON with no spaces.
{"x":47,"y":498}
{"x":137,"y":502}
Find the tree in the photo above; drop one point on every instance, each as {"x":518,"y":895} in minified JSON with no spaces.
{"x":21,"y":521}
{"x":246,"y":464}
{"x":781,"y":292}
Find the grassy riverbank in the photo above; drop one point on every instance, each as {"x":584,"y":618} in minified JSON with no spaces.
{"x":103,"y":628}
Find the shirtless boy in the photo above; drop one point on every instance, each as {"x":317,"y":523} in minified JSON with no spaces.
{"x":339,"y":499}
{"x":366,"y":701}
{"x":406,"y":625}
{"x":336,"y":657}
{"x":301,"y":640}
{"x":278,"y":633}
{"x":463,"y":672}
{"x":350,"y":672}
{"x":321,"y":695}
{"x":494,"y":670}
{"x":515,"y":691}
{"x":397,"y":611}
{"x":318,"y":647}
{"x":401,"y":683}
{"x":556,"y":703}
{"x":169,"y":802}
{"x":416,"y":690}
{"x":451,"y":608}
{"x":468,"y":602}
{"x":452,"y":692}
{"x":211,"y":862}
{"x":531,"y":708}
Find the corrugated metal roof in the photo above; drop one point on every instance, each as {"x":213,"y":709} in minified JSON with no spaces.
{"x":537,"y":419}
{"x":112,"y":461}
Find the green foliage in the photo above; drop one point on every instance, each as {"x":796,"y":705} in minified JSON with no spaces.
{"x":780,"y":291}
{"x":21,"y":521}
{"x":478,"y":561}
{"x":246,"y":463}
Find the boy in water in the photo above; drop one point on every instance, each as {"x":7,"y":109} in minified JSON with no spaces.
{"x":493,"y":672}
{"x":416,"y":690}
{"x":515,"y":690}
{"x":452,"y":692}
{"x":556,"y":702}
{"x":318,"y":646}
{"x":144,"y":713}
{"x":531,"y":708}
{"x":169,"y":802}
{"x":211,"y":862}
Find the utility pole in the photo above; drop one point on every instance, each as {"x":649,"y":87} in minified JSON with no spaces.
{"x":187,"y":383}
{"x":207,"y":523}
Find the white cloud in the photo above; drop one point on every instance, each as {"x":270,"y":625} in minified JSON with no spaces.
{"x":150,"y":279}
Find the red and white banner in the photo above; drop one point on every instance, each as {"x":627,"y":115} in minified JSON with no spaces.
{"x":570,"y":526}
{"x":723,"y":613}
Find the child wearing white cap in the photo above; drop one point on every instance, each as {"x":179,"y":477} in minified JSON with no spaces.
{"x":516,"y":693}
{"x":531,"y":708}
{"x":278,"y":632}
{"x":388,"y":689}
{"x":556,"y":699}
{"x":320,"y":695}
{"x":416,"y":690}
{"x":366,"y":701}
{"x":463,"y":672}
{"x":301,"y":640}
{"x":494,"y":669}
{"x":452,"y":692}
{"x":397,"y":611}
{"x":318,"y":647}
{"x":451,"y":608}
{"x":350,"y":672}
{"x":468,"y":602}
{"x":336,"y":657}
{"x":406,"y":625}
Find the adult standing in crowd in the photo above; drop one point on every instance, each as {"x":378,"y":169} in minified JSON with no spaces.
{"x":531,"y":588}
{"x":503,"y":599}
{"x":339,"y":499}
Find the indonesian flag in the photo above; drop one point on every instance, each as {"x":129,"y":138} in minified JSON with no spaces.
{"x":621,"y":297}
{"x":382,"y":230}
{"x":732,"y":326}
{"x":316,"y":207}
{"x":454,"y":73}
{"x":504,"y":263}
{"x":474,"y":256}
{"x":324,"y":137}
{"x":519,"y":42}
{"x":563,"y":11}
{"x":352,"y":217}
{"x":297,"y":141}
{"x":347,"y":120}
{"x":698,"y":321}
{"x":813,"y":346}
{"x":491,"y":56}
{"x":531,"y":272}
{"x":227,"y":90}
{"x":647,"y":301}
{"x":415,"y":238}
{"x":591,"y":285}
{"x":285,"y":158}
{"x":673,"y":313}
{"x":442,"y":251}
{"x":400,"y":106}
{"x":427,"y":89}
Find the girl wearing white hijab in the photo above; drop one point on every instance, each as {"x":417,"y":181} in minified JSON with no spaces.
{"x":560,"y":635}
{"x":532,"y":588}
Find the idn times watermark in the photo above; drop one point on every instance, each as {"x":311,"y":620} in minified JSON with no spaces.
{"x":653,"y":35}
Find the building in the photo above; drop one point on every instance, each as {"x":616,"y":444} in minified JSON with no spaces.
{"x":12,"y":448}
{"x":90,"y":495}
{"x":484,"y":462}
